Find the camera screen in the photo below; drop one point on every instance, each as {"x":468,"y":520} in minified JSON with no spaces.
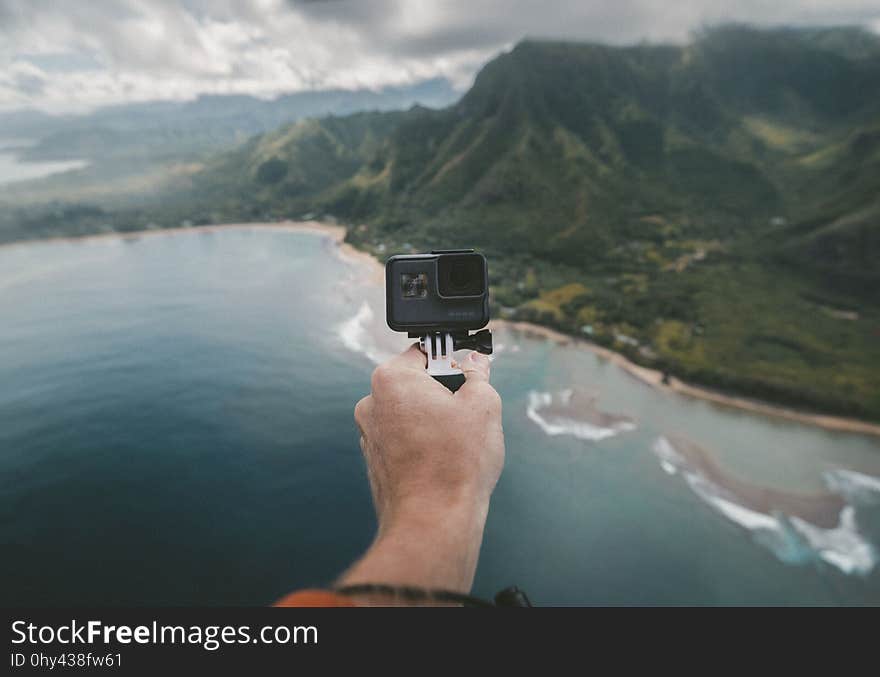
{"x":414,"y":286}
{"x":461,"y":275}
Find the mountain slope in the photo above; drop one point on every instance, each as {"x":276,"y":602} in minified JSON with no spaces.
{"x":569,"y":151}
{"x":549,"y":144}
{"x":712,"y":209}
{"x":135,"y":149}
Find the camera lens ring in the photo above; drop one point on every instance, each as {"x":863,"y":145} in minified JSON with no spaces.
{"x":461,"y":275}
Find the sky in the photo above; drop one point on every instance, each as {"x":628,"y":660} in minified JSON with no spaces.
{"x":63,"y":56}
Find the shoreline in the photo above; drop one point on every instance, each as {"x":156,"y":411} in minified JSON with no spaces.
{"x":654,"y":378}
{"x":329,"y":229}
{"x":647,"y":375}
{"x":335,"y":232}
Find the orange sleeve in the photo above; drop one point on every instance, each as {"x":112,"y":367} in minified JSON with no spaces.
{"x":314,"y":598}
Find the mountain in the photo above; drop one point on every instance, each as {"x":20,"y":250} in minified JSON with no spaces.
{"x":137,"y":148}
{"x":228,"y":116}
{"x":711,"y":209}
{"x":543,"y":153}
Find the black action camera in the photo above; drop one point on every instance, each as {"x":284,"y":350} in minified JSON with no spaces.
{"x":444,"y":291}
{"x":440,"y":298}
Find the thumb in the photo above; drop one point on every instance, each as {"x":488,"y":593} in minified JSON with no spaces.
{"x":475,"y":367}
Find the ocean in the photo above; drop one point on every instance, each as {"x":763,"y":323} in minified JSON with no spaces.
{"x":176,"y":428}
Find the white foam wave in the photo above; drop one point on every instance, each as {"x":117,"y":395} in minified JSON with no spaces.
{"x":854,"y":486}
{"x":770,"y":531}
{"x":670,"y":460}
{"x":791,"y":539}
{"x":843,"y":546}
{"x":668,"y":468}
{"x":355,"y":335}
{"x":554,"y":424}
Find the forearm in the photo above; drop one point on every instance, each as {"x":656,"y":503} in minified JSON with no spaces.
{"x":425,"y":546}
{"x":432,"y":469}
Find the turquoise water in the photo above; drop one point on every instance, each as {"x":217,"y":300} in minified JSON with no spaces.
{"x":175,"y":428}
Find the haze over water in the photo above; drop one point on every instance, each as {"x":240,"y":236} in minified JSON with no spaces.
{"x":13,"y":169}
{"x":176,"y":428}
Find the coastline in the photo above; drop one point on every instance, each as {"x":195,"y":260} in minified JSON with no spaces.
{"x":654,"y":378}
{"x":648,"y":376}
{"x":337,"y":233}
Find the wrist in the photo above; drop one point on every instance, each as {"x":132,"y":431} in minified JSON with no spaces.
{"x":425,"y":543}
{"x":448,"y":517}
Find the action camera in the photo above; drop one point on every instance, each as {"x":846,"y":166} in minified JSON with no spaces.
{"x":445,"y":290}
{"x":440,"y":298}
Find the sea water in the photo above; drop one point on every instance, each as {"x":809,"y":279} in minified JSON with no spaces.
{"x":176,"y":428}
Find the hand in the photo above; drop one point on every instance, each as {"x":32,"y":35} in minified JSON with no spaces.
{"x":433,"y":459}
{"x":425,"y":446}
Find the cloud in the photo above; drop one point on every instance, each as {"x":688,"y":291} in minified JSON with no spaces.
{"x":65,"y":55}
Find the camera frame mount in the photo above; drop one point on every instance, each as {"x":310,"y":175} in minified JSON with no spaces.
{"x":438,"y":347}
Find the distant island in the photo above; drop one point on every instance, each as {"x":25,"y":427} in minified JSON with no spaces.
{"x":709,"y":210}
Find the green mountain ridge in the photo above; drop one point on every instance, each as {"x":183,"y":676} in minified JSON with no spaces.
{"x":567,"y":129}
{"x":711,"y":209}
{"x":134,"y":150}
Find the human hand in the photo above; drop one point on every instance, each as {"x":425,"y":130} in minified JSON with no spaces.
{"x":433,"y":458}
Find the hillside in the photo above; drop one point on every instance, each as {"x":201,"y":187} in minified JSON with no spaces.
{"x":739,"y":130}
{"x":135,"y":150}
{"x":710,"y":209}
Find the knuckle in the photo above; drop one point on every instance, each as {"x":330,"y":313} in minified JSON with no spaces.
{"x":493,"y":400}
{"x":383,"y":377}
{"x":360,"y":410}
{"x":488,"y":397}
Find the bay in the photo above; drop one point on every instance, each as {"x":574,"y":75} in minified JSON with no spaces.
{"x":176,"y":428}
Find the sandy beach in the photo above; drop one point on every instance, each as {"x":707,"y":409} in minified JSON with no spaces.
{"x":333,"y":231}
{"x":375,"y":271}
{"x":654,"y":377}
{"x":337,"y":233}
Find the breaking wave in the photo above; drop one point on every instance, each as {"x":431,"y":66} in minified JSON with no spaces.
{"x":555,"y":416}
{"x":791,"y":539}
{"x":854,"y":486}
{"x":356,"y":336}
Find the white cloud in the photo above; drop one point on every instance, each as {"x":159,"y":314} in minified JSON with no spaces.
{"x":64,"y":55}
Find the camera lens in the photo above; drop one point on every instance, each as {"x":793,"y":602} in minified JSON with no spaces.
{"x":461,"y":275}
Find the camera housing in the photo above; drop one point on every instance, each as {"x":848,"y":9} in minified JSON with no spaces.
{"x":446,"y":290}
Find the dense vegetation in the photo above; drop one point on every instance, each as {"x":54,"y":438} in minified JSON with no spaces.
{"x":712,"y":210}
